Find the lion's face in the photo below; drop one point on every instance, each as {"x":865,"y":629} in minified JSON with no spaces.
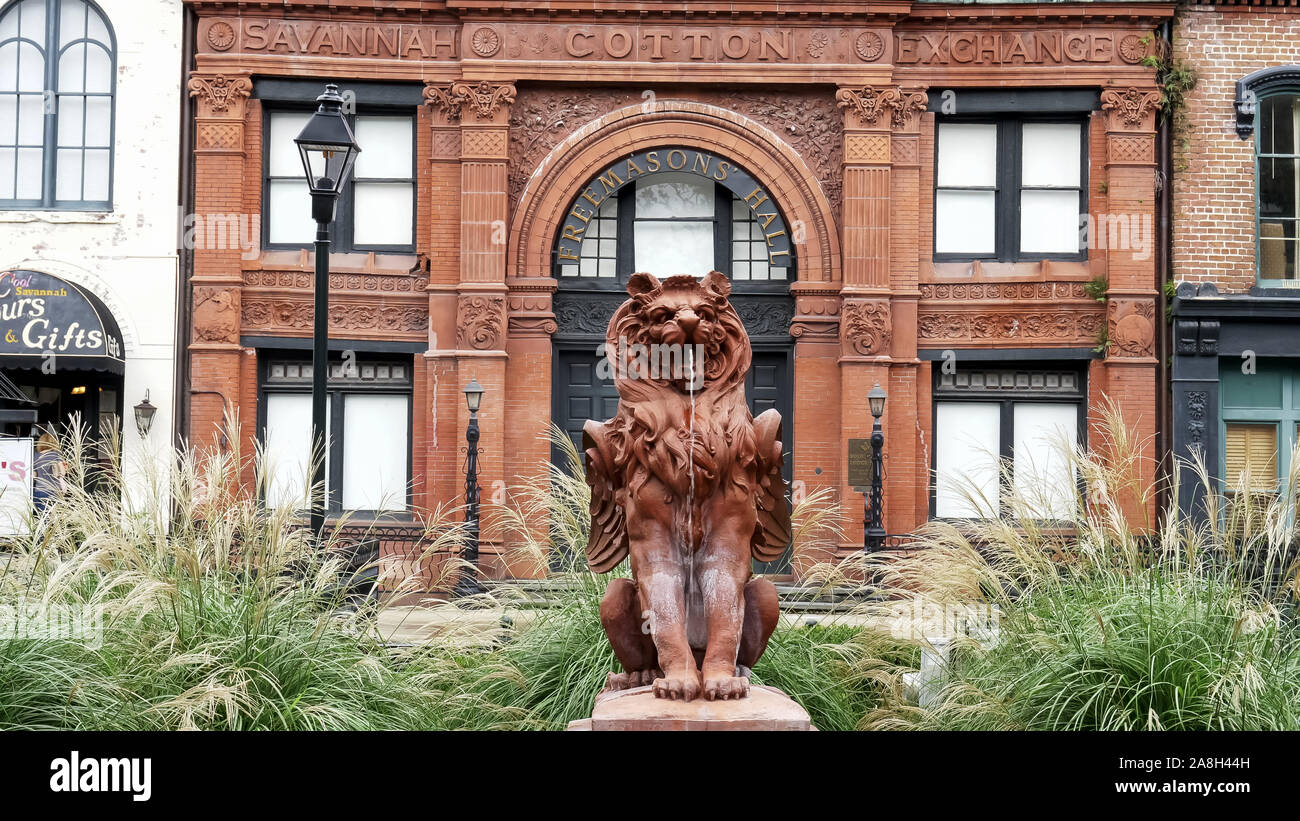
{"x":688,"y":321}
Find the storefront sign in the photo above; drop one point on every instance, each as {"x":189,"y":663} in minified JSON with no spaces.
{"x":42,"y":316}
{"x":16,"y":469}
{"x":681,"y":160}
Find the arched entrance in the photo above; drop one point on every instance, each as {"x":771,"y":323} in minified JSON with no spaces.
{"x":543,"y":303}
{"x":670,"y":210}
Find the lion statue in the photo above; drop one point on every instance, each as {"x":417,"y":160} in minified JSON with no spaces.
{"x":687,"y":483}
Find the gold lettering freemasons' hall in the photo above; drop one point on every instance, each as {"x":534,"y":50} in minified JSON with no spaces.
{"x":613,"y":178}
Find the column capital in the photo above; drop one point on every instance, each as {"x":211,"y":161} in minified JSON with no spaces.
{"x":220,"y":95}
{"x":880,"y":107}
{"x":1131,"y":109}
{"x":483,"y":103}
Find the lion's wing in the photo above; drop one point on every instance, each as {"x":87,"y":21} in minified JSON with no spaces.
{"x":772,"y":535}
{"x":607,"y":542}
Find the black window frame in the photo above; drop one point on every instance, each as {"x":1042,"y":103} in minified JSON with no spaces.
{"x":1007,"y":186}
{"x":626,"y":248}
{"x":341,"y":230}
{"x":1007,"y":400}
{"x":50,"y":142}
{"x":335,"y":397}
{"x":1280,"y":89}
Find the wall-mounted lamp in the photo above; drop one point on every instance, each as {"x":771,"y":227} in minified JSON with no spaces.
{"x":144,"y":416}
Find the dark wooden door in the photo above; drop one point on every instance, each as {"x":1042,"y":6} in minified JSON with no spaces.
{"x":579,"y":394}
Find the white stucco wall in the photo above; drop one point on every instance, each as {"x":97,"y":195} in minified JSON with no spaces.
{"x":128,"y":257}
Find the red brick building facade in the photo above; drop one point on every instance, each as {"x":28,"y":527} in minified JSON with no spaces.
{"x":923,"y":158}
{"x":1235,"y":252}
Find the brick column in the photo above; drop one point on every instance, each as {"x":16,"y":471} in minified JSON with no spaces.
{"x":442,"y":459}
{"x":1131,"y":295}
{"x":907,"y":476}
{"x":872,"y":350}
{"x":483,"y":111}
{"x":219,"y":173}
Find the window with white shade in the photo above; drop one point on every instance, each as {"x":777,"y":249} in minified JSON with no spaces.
{"x":376,"y":209}
{"x":368,"y":419}
{"x":1001,"y":429}
{"x":57,"y":84}
{"x":1009,"y":189}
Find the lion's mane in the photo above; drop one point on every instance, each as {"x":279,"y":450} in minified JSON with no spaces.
{"x":644,"y":437}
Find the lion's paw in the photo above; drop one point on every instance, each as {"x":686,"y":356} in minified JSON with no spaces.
{"x":622,"y":681}
{"x":726,"y":687}
{"x":635,"y":678}
{"x":677,"y":689}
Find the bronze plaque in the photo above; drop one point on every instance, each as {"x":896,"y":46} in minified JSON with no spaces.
{"x":860,"y":463}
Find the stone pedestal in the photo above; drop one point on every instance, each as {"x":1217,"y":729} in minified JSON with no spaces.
{"x":765,"y":708}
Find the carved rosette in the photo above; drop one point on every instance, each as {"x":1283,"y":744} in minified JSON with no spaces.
{"x":1131,"y":109}
{"x":217,"y":93}
{"x":817,"y":317}
{"x":484,"y":99}
{"x":480,"y":321}
{"x":866,"y":328}
{"x":1131,"y":328}
{"x":888,"y":107}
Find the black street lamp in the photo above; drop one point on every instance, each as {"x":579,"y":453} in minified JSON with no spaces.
{"x":468,"y":584}
{"x":328,"y":151}
{"x":873,"y":533}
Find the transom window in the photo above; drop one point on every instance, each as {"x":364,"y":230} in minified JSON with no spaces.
{"x":1277,"y":155}
{"x":675,"y":222}
{"x":368,"y":416}
{"x":997,"y":424}
{"x":57,"y":82}
{"x":1008,"y":189}
{"x":375,"y":211}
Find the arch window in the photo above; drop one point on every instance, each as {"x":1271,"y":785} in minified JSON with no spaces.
{"x":57,"y":86}
{"x":677,"y":219}
{"x":1268,"y":109}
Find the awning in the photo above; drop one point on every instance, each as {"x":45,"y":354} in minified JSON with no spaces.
{"x":47,"y":321}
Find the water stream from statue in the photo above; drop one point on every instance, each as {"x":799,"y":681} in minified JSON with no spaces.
{"x":690,"y":498}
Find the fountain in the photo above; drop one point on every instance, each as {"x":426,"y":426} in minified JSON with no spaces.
{"x":686,"y":484}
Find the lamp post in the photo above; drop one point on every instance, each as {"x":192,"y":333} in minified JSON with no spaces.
{"x":468,"y":584}
{"x":873,"y":533}
{"x":328,"y":151}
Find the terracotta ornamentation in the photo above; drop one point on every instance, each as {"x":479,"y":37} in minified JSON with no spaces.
{"x":216,"y":319}
{"x":479,"y":325}
{"x":1131,"y":330}
{"x":866,"y":326}
{"x":219,"y":90}
{"x":443,"y":98}
{"x":1132,"y":105}
{"x":870,"y":103}
{"x":482,"y":98}
{"x":687,"y":484}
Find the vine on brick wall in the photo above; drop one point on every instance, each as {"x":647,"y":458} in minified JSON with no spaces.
{"x":1176,"y":80}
